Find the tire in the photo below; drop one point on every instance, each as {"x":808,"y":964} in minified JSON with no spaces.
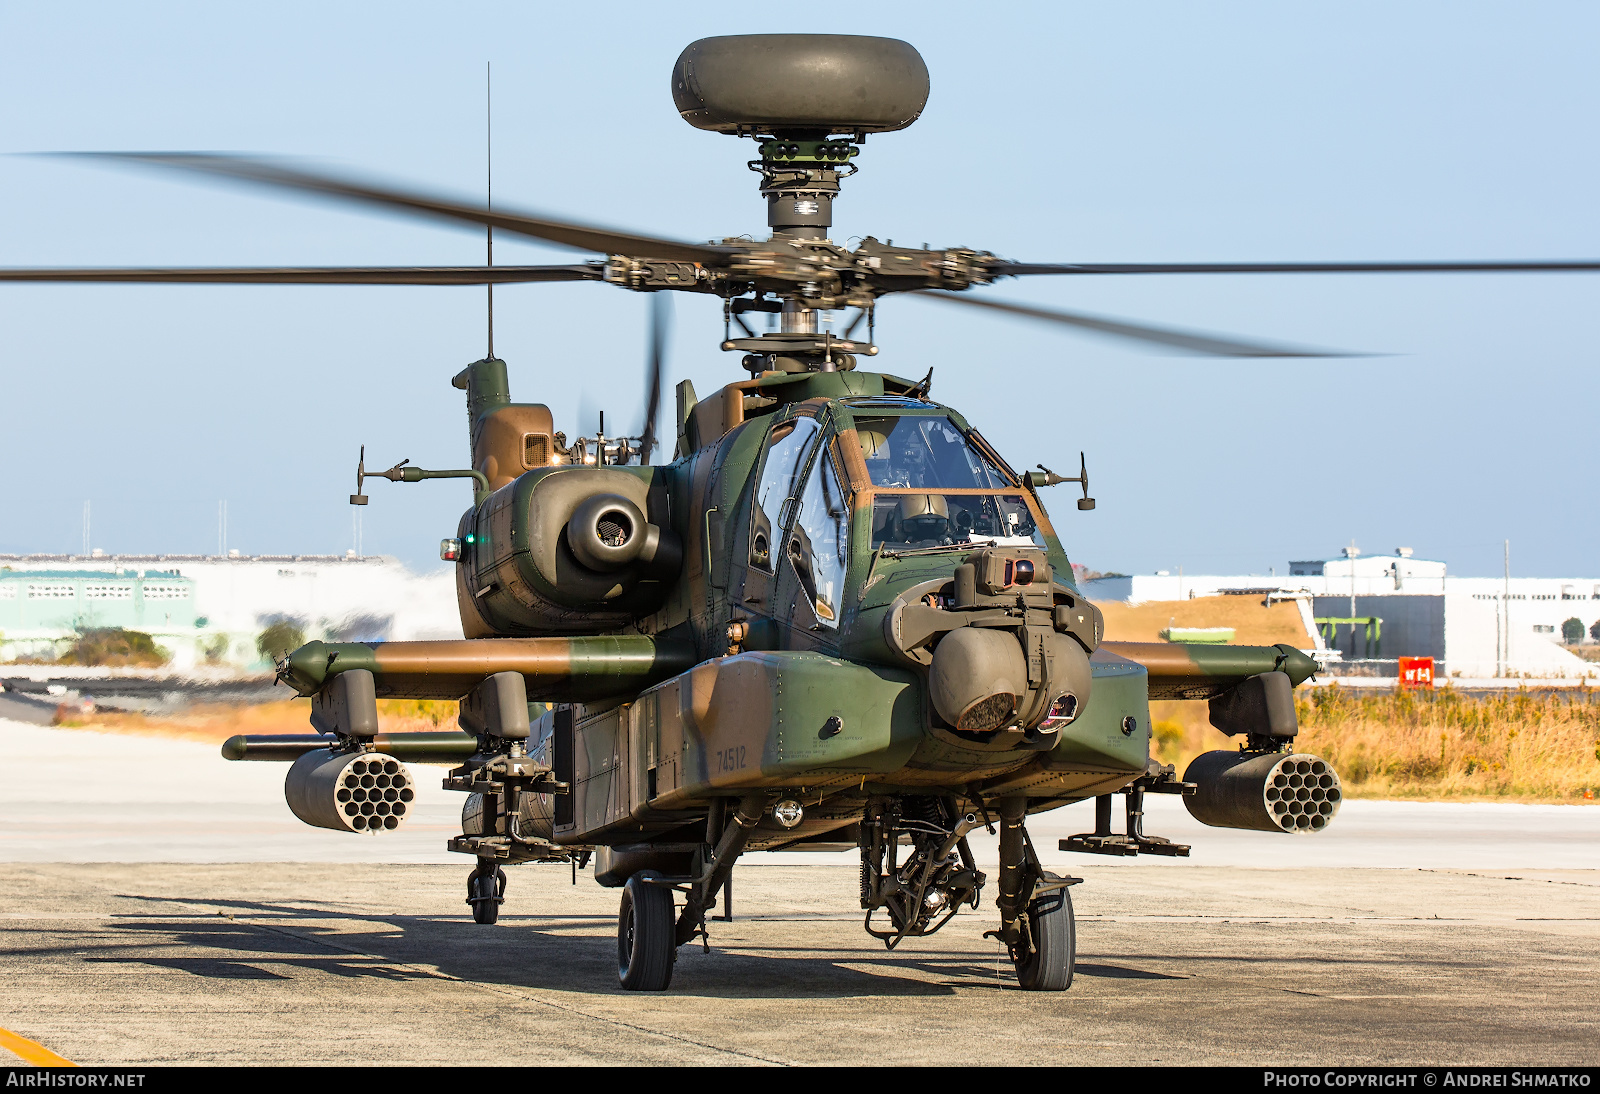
{"x":482,"y":891}
{"x":1055,"y":940}
{"x":647,"y":942}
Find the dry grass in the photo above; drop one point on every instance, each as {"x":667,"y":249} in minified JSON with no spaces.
{"x":1253,"y":624}
{"x":1529,"y":746}
{"x":217,"y":722}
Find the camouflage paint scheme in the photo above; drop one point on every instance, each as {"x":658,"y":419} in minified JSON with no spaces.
{"x":720,"y":679}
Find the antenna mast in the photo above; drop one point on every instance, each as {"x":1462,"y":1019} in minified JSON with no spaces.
{"x":488,"y":137}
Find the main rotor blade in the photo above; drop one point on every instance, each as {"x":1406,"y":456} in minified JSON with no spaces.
{"x":1189,"y":341}
{"x":653,"y":364}
{"x":319,"y":275}
{"x":1022,"y":269}
{"x":567,"y":234}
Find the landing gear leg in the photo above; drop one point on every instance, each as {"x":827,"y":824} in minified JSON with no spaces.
{"x":1036,"y":921}
{"x":486,"y":891}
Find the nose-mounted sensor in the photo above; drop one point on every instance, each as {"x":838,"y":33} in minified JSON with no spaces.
{"x":1019,"y":571}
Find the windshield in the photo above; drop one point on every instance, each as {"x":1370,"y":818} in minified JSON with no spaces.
{"x":786,"y":456}
{"x":913,"y":521}
{"x":924,"y":453}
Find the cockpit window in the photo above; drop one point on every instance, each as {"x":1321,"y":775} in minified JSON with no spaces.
{"x":917,"y":521}
{"x":786,"y":458}
{"x":924,"y":453}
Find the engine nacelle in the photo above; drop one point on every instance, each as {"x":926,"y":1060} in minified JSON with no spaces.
{"x":1263,"y":792}
{"x":349,"y":791}
{"x":567,"y":550}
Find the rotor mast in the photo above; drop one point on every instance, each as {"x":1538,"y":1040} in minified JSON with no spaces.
{"x":800,"y":173}
{"x":793,"y":93}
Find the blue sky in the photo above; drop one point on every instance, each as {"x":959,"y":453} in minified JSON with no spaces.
{"x":1055,"y":132}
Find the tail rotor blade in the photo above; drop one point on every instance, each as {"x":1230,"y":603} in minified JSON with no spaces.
{"x":654,"y":360}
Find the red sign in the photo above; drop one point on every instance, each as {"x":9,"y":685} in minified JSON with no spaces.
{"x":1416,"y":672}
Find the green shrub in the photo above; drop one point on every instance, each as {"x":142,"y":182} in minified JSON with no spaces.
{"x":216,"y":648}
{"x":1572,"y":631}
{"x":279,"y":640}
{"x":115,"y":646}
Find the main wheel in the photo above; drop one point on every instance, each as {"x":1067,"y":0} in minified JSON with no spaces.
{"x":647,"y":941}
{"x":1055,"y":944}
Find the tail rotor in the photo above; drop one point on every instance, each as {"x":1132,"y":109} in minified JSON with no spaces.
{"x":655,"y":353}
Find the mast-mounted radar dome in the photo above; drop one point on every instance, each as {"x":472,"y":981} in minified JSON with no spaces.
{"x":798,"y":84}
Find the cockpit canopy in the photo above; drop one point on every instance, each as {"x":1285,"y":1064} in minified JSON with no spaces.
{"x":960,"y":491}
{"x":925,"y":452}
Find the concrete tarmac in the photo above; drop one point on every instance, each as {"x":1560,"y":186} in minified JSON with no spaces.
{"x":330,"y":963}
{"x":158,"y":905}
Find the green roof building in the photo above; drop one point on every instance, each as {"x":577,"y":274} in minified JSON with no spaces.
{"x":39,"y":608}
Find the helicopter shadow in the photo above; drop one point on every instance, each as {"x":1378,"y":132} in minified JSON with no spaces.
{"x":1122,"y":972}
{"x":560,"y":952}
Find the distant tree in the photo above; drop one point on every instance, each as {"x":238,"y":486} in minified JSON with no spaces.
{"x":1594,"y":631}
{"x":279,"y":639}
{"x":1572,"y":631}
{"x":216,"y":649}
{"x":115,"y":646}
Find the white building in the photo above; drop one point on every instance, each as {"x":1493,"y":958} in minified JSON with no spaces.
{"x":1480,"y":627}
{"x":333,"y":597}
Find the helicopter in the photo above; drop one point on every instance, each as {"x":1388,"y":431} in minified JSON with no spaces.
{"x":833,"y":618}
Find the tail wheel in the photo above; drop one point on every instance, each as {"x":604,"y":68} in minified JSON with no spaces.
{"x":646,"y":936}
{"x":1049,"y":965}
{"x":485,"y":892}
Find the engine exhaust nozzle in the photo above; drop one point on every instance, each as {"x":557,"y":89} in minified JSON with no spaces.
{"x":1263,"y":792}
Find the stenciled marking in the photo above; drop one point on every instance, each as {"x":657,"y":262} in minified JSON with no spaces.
{"x":730,"y":759}
{"x":32,"y":1052}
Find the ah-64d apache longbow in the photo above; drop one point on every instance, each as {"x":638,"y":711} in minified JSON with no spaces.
{"x":837,"y":618}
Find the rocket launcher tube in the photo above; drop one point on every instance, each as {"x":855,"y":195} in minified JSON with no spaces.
{"x":564,"y":670}
{"x":1185,"y":670}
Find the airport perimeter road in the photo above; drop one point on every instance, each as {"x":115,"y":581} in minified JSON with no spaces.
{"x":149,"y":799}
{"x":161,"y":963}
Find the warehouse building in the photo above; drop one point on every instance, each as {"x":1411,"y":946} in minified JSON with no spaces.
{"x":212,"y":608}
{"x":1377,"y":608}
{"x":40,"y":609}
